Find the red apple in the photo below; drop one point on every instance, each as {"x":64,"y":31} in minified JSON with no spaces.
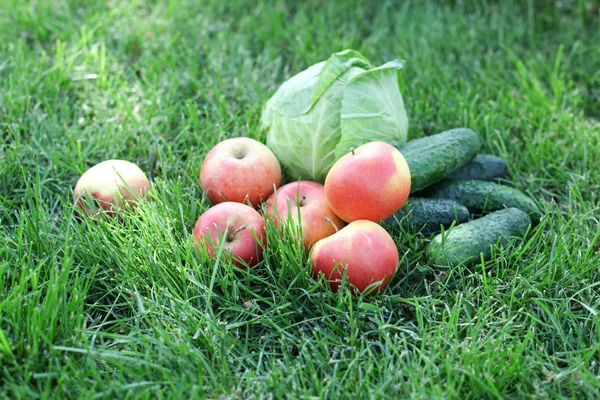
{"x":241,"y":229}
{"x":308,"y":198}
{"x":370,"y":182}
{"x":241,"y":170}
{"x":363,"y":249}
{"x":113,"y":183}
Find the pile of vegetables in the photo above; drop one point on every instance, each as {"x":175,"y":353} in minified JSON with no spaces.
{"x":456,"y":187}
{"x":338,"y":132}
{"x":319,"y":114}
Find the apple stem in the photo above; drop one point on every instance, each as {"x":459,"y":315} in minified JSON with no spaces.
{"x":240,"y":153}
{"x":302,"y":201}
{"x":352,"y":150}
{"x":331,"y":222}
{"x":238,"y":230}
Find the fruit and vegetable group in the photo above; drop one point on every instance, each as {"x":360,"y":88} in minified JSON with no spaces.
{"x":238,"y":228}
{"x":367,"y":188}
{"x":304,"y":202}
{"x":111,"y":184}
{"x":242,"y":170}
{"x":363,"y":251}
{"x":339,"y":129}
{"x":370,"y":182}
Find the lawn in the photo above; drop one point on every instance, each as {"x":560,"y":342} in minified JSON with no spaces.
{"x":127,"y":309}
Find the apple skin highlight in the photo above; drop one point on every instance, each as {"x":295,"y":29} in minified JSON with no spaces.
{"x":371,"y":182}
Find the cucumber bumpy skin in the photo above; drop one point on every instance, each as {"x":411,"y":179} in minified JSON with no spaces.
{"x":464,"y":244}
{"x":431,"y":158}
{"x":425,"y":215}
{"x":484,"y":167}
{"x":483,"y":196}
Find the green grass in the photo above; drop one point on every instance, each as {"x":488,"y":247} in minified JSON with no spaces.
{"x":129,"y":310}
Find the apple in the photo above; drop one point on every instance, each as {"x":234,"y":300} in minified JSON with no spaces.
{"x":370,"y":182}
{"x":239,"y":227}
{"x":240,"y":169}
{"x":304,"y":202}
{"x":363,"y":249}
{"x":113,"y":183}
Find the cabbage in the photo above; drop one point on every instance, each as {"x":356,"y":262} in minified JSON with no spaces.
{"x":319,"y":114}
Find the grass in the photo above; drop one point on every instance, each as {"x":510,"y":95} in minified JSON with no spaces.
{"x":129,"y":310}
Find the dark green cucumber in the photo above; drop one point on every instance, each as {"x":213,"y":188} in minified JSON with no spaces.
{"x":426,"y":215}
{"x":482,"y":196}
{"x":464,"y":243}
{"x":432,"y":158}
{"x":484,"y":167}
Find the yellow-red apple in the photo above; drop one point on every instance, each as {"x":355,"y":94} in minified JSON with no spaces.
{"x":370,"y":182}
{"x":304,"y":202}
{"x":239,"y":228}
{"x":363,"y":250}
{"x":240,"y":169}
{"x":113,"y":183}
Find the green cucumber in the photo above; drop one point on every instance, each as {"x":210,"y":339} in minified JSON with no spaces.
{"x":427,"y":215}
{"x":483,"y":196}
{"x":464,"y":243}
{"x":484,"y":167}
{"x":432,"y":158}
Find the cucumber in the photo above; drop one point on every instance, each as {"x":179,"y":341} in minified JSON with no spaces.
{"x":426,"y":215}
{"x":464,"y":244}
{"x":484,"y":167}
{"x":432,"y":158}
{"x":482,"y":196}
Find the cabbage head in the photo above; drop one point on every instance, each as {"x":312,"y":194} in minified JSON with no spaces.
{"x":319,"y":114}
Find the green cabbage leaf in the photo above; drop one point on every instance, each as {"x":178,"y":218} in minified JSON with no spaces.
{"x":316,"y":116}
